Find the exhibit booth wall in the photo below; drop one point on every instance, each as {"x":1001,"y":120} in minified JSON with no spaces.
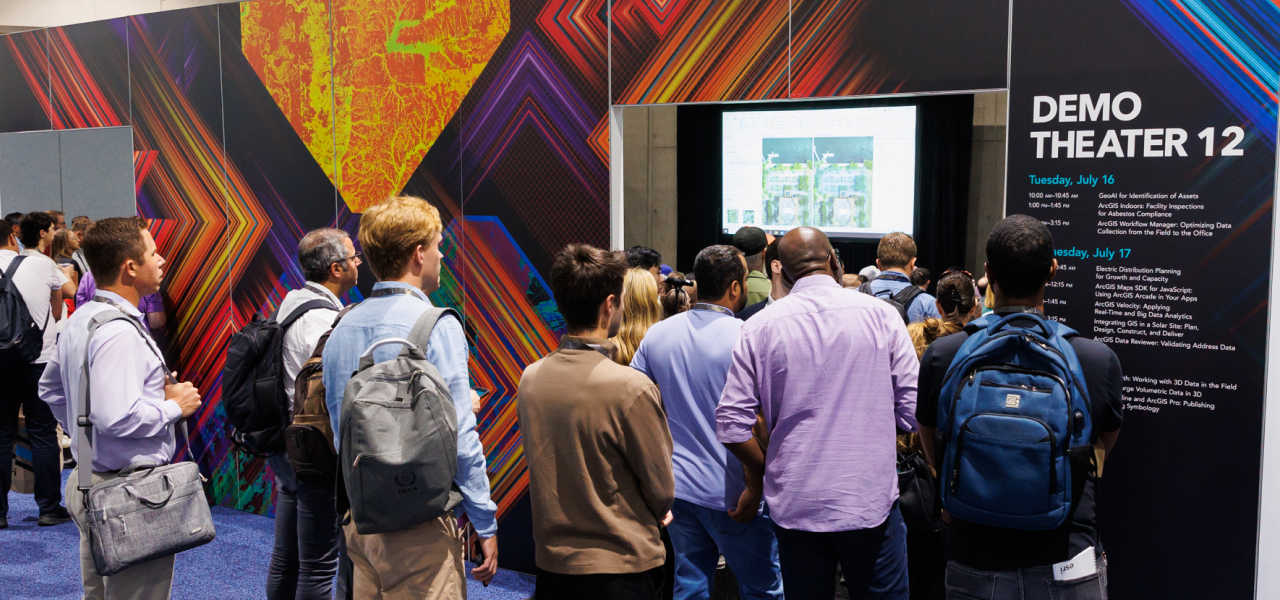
{"x":256,"y":122}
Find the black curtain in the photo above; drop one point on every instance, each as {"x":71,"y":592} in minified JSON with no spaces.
{"x":944,"y":141}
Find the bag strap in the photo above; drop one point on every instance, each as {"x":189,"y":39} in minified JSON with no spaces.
{"x":421,"y":332}
{"x":8,"y":282}
{"x":84,"y":443}
{"x":907,"y":295}
{"x":13,"y":269}
{"x":305,"y":308}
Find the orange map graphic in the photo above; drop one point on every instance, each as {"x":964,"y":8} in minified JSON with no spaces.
{"x":399,"y":71}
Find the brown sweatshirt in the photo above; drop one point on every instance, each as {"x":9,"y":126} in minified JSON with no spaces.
{"x":599,"y":455}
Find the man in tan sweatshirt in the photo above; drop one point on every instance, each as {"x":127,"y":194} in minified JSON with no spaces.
{"x":598,"y":448}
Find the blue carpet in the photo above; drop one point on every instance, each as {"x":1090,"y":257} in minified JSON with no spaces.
{"x":43,"y":562}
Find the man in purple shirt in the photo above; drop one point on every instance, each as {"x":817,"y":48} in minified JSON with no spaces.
{"x":151,"y":305}
{"x":834,"y":374}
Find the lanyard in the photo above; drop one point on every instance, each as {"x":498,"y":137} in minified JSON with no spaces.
{"x":713,"y":308}
{"x":168,"y":376}
{"x":1013,"y":310}
{"x":323,"y":292}
{"x":393,"y":291}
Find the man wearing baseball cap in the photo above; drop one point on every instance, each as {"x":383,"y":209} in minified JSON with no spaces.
{"x":752,"y":241}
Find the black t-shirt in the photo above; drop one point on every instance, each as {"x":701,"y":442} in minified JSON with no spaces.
{"x":997,"y":549}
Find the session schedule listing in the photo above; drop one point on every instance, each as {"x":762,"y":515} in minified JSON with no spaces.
{"x":1134,"y":299}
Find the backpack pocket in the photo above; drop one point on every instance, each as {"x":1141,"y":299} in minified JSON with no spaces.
{"x":1005,"y":464}
{"x":311,"y":454}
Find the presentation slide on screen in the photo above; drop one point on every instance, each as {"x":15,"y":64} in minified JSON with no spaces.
{"x":847,"y":171}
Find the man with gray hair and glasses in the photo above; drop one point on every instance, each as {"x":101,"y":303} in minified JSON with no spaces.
{"x":305,"y":558}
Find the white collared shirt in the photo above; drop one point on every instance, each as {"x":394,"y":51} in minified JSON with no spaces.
{"x":301,"y":339}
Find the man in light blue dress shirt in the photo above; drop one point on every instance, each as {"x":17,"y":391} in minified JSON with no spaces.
{"x":688,"y":356}
{"x":133,"y":411}
{"x":401,"y":242}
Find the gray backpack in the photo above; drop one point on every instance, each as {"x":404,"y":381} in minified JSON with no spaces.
{"x":399,"y":437}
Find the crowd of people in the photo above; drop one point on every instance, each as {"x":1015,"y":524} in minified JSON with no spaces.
{"x":789,"y":420}
{"x":765,"y":411}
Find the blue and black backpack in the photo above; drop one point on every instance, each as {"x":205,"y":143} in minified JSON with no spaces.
{"x":1013,"y":414}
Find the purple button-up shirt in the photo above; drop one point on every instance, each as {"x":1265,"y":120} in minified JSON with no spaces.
{"x":88,"y":287}
{"x":834,"y":373}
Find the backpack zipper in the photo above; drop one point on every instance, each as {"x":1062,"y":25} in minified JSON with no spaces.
{"x":1053,"y":445}
{"x":1017,"y":386}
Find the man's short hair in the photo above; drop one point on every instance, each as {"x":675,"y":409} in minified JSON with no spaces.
{"x":849,"y":280}
{"x":55,"y":214}
{"x":81,"y":224}
{"x":14,"y":218}
{"x":32,"y":225}
{"x":920,"y":276}
{"x":6,"y":229}
{"x":1020,"y":254}
{"x":582,"y":277}
{"x":319,"y":250}
{"x":109,"y":243}
{"x":392,"y":229}
{"x":770,"y":255}
{"x":640,"y":257}
{"x":896,"y":250}
{"x":716,"y":268}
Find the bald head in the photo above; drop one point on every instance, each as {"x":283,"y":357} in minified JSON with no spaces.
{"x":806,"y":251}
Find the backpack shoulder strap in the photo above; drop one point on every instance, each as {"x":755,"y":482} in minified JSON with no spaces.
{"x":85,"y":444}
{"x":324,"y":339}
{"x":907,"y":295}
{"x":303,"y":309}
{"x":13,"y":268}
{"x":421,"y":333}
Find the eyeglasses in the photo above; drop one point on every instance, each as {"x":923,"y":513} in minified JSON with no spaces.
{"x":955,"y":270}
{"x":357,"y":257}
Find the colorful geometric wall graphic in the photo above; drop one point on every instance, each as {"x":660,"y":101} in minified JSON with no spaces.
{"x":257,"y":122}
{"x":398,"y":72}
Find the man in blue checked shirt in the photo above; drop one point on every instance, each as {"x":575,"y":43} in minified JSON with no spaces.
{"x":401,"y":242}
{"x":717,"y":509}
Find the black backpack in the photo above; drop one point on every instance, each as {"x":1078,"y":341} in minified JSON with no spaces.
{"x":253,"y":382}
{"x":900,"y":301}
{"x":20,"y":339}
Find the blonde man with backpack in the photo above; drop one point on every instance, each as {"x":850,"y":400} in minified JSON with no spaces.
{"x":401,"y":239}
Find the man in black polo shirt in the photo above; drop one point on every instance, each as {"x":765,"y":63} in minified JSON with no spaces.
{"x":993,"y":563}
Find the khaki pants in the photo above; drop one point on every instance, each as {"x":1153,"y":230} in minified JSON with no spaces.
{"x":147,"y":581}
{"x":421,"y":563}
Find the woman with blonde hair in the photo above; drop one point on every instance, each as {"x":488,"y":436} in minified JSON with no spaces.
{"x":957,"y":303}
{"x":640,"y":310}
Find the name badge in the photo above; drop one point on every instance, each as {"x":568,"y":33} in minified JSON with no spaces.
{"x":1083,"y":565}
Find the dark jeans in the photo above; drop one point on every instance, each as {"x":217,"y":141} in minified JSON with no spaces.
{"x":873,"y":561}
{"x":927,"y":564}
{"x":305,"y":558}
{"x":1036,"y":583}
{"x":18,"y":389}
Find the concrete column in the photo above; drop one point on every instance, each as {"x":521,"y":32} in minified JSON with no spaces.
{"x":986,"y":176}
{"x":649,"y":178}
